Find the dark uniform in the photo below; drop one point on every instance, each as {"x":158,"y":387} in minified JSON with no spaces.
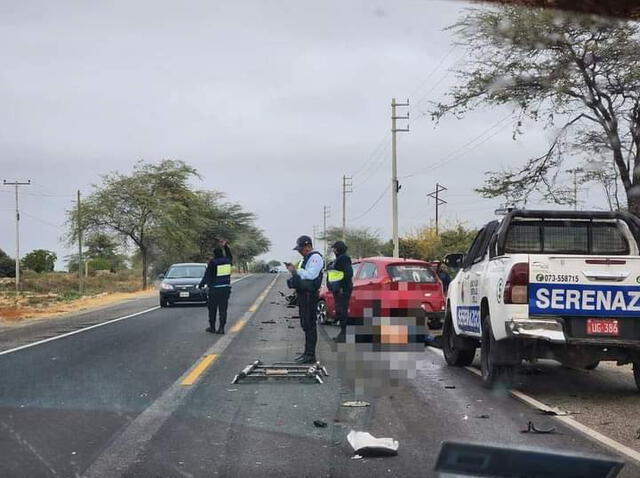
{"x":340,"y":283}
{"x":218,"y":278}
{"x":306,"y":280}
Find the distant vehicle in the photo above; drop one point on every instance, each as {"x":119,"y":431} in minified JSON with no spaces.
{"x":180,"y":284}
{"x":273,"y":270}
{"x":562,"y":285}
{"x":397,"y":284}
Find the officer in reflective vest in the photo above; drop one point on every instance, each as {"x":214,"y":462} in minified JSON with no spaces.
{"x":218,"y":278}
{"x":306,"y":279}
{"x":340,"y":283}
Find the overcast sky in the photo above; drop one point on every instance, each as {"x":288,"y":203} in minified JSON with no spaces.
{"x":271,"y":101}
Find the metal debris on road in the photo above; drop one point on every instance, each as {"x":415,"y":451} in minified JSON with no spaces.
{"x":552,"y":413}
{"x":319,"y":424}
{"x":355,"y":403}
{"x":450,"y":386}
{"x":483,"y":416}
{"x":531,"y":428}
{"x":257,"y":371}
{"x":267,"y":321}
{"x":364,"y":444}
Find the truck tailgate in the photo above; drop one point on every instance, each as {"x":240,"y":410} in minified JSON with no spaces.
{"x":590,"y":286}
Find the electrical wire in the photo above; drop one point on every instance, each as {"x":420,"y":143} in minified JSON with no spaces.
{"x":375,"y":203}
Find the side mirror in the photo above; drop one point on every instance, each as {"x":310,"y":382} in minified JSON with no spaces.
{"x":160,"y":276}
{"x":454,"y":260}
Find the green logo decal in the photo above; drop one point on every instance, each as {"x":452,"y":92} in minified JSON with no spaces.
{"x":540,"y":277}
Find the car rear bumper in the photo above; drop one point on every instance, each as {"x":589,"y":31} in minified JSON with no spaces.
{"x":195,"y":295}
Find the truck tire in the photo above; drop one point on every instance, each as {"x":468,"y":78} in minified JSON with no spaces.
{"x":493,"y":374}
{"x":454,"y":355}
{"x":636,"y":373}
{"x":593,"y":365}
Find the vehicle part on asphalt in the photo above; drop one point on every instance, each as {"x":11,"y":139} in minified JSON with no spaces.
{"x":355,"y":403}
{"x":319,"y":424}
{"x":257,"y":371}
{"x":470,"y":459}
{"x":531,"y":428}
{"x":364,"y":444}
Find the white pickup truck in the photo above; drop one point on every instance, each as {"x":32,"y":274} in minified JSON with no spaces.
{"x":563,"y":285}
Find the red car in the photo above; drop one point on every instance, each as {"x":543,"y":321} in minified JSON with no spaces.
{"x":396,"y":283}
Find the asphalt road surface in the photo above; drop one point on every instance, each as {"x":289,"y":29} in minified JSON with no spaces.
{"x":151,"y":396}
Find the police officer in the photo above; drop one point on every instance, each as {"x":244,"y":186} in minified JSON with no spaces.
{"x":306,"y":279}
{"x":340,"y":283}
{"x":218,"y":278}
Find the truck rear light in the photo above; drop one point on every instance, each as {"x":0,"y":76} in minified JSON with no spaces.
{"x":516,"y":290}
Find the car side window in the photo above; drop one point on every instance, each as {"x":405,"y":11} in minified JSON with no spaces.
{"x":367,"y":271}
{"x":473,"y":250}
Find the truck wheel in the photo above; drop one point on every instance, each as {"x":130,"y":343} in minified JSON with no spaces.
{"x":636,"y":373}
{"x":321,"y":312}
{"x":453,"y":355}
{"x":593,"y":365}
{"x":492,"y":373}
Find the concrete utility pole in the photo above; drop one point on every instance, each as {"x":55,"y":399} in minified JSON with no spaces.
{"x":436,"y":195}
{"x":17,"y":184}
{"x":395,"y":185}
{"x":347,"y":187}
{"x":80,"y":260}
{"x":326,"y":212}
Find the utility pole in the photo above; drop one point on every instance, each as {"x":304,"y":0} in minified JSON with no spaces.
{"x":436,"y":195}
{"x":326,"y":212}
{"x":17,"y":184}
{"x":347,"y":187}
{"x":395,"y":185}
{"x":80,"y":260}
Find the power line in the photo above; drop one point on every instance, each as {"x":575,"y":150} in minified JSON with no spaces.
{"x":456,"y":154}
{"x":375,"y":203}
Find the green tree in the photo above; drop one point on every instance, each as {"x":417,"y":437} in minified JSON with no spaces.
{"x":39,"y":260}
{"x":578,"y":75}
{"x":7,"y":265}
{"x":259,"y":266}
{"x":361,"y":241}
{"x":150,"y":202}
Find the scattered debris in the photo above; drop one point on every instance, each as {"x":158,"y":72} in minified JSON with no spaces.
{"x":232,"y":389}
{"x":450,"y":386}
{"x":356,"y":457}
{"x":364,"y":444}
{"x":552,"y":413}
{"x":638,"y":434}
{"x":355,"y":403}
{"x":483,"y":416}
{"x":319,"y":424}
{"x":267,"y":321}
{"x":257,"y":371}
{"x":531,"y":428}
{"x":290,"y":327}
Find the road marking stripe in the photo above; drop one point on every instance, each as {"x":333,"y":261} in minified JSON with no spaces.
{"x":239,"y":324}
{"x":594,"y":435}
{"x":95,"y":326}
{"x":199,"y":369}
{"x":116,"y":459}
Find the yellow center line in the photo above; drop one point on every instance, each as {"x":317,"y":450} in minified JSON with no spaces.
{"x":199,"y":369}
{"x":238,"y":325}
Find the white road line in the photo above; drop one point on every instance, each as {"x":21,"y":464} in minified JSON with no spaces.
{"x":95,"y":326}
{"x":123,"y":451}
{"x":590,"y":433}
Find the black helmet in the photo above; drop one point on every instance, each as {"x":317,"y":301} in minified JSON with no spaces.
{"x":301,"y":242}
{"x":340,"y":247}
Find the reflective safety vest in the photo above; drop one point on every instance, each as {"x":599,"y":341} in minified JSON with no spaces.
{"x":223,"y":272}
{"x":334,"y":275}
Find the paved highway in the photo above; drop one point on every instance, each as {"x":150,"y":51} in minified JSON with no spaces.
{"x":151,"y":395}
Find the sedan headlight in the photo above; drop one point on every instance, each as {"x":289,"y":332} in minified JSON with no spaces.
{"x":166,"y":286}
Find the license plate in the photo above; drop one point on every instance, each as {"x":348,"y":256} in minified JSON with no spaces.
{"x":184,"y":294}
{"x":602,"y":327}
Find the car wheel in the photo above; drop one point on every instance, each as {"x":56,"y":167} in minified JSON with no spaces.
{"x":492,"y":373}
{"x":453,"y":355}
{"x":321,"y":312}
{"x":593,"y":365}
{"x":164,"y":303}
{"x":636,"y":373}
